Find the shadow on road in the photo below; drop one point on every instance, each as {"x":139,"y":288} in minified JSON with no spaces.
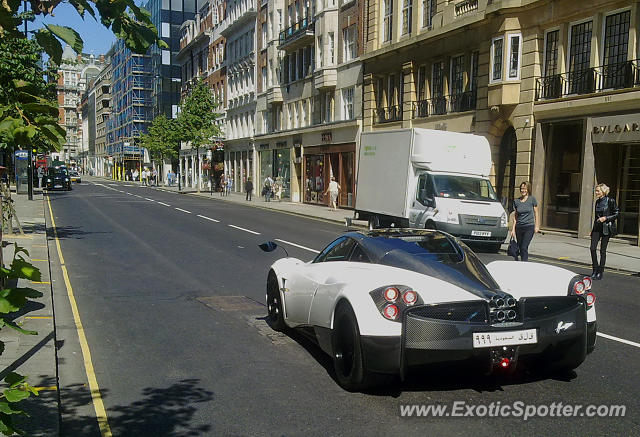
{"x":158,"y":412}
{"x":65,"y":232}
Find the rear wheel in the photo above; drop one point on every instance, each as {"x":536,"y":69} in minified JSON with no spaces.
{"x":348,"y":360}
{"x":275,"y":315}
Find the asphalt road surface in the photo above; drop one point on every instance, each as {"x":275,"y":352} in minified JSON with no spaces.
{"x":170,"y":291}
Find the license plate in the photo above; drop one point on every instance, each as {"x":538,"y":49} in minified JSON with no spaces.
{"x":505,"y":338}
{"x":57,"y":186}
{"x":481,"y":233}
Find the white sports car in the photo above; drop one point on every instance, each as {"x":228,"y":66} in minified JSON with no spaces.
{"x":381,"y":301}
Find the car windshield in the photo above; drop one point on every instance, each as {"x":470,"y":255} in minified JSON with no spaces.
{"x":464,"y":187}
{"x":438,"y":255}
{"x":57,"y":172}
{"x":73,"y":173}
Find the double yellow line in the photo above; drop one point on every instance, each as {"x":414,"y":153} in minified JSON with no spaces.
{"x":98,"y":405}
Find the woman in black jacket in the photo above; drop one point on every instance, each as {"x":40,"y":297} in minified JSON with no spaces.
{"x":604,"y":227}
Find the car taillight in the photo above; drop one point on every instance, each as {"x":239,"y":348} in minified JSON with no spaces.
{"x":591,"y":299}
{"x":390,"y":312}
{"x":393,"y":300}
{"x":409,"y":297}
{"x":579,"y":287}
{"x":587,"y":282}
{"x":391,"y":294}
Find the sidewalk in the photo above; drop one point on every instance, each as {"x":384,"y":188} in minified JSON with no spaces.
{"x":33,"y":356}
{"x":621,"y":255}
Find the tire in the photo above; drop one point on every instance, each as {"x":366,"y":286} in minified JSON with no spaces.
{"x":430,"y":225}
{"x":275,"y":315}
{"x":374,"y":222}
{"x":348,"y":360}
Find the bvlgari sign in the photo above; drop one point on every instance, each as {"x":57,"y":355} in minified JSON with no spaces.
{"x":616,"y":129}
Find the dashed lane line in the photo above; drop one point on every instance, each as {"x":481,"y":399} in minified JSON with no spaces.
{"x":183,"y":210}
{"x":297,"y":245}
{"x":163,"y":204}
{"x":150,"y":200}
{"x":244,"y":229}
{"x":621,"y":340}
{"x":208,"y":218}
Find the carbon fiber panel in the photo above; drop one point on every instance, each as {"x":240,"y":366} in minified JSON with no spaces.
{"x":471,"y":312}
{"x":542,"y":307}
{"x":427,"y":334}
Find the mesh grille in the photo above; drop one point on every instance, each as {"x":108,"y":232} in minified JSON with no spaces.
{"x":478,"y":220}
{"x":470,"y":312}
{"x":537,"y":307}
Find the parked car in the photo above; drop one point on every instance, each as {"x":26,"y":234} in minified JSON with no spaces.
{"x":58,"y":179}
{"x":382,"y":301}
{"x":75,"y":176}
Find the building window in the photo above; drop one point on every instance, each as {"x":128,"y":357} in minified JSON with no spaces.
{"x":331,"y":48}
{"x":264,"y":79}
{"x":457,"y":75}
{"x":422,"y":80}
{"x":580,"y":81}
{"x":551,"y":53}
{"x":349,"y":39}
{"x":514,"y":56}
{"x":496,"y":59}
{"x":264,"y":35}
{"x":407,"y":8}
{"x":388,"y":20}
{"x":428,"y":11}
{"x":616,"y":47}
{"x":347,"y":103}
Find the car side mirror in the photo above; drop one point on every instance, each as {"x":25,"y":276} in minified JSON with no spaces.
{"x":270,"y":246}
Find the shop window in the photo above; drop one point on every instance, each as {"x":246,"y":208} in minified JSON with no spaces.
{"x":314,"y":179}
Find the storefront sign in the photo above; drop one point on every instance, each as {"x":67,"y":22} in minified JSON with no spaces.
{"x":327,"y":137}
{"x":616,"y":129}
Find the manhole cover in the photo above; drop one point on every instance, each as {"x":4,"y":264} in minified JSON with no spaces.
{"x":231,"y":303}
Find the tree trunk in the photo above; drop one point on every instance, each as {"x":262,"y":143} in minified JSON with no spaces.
{"x":198,"y":181}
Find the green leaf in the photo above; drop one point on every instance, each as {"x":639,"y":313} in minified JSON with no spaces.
{"x":67,"y":35}
{"x":15,"y":394}
{"x":17,"y":328}
{"x":22,"y":269}
{"x":6,"y":408}
{"x":82,"y":6}
{"x":50,"y":44}
{"x":14,"y":379}
{"x":45,"y":108}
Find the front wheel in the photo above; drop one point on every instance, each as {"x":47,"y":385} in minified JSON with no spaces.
{"x":348,"y":360}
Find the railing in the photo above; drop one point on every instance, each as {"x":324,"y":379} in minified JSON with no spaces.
{"x":291,"y":32}
{"x":388,"y":114}
{"x":445,"y":104}
{"x":465,"y":7}
{"x":591,"y":80}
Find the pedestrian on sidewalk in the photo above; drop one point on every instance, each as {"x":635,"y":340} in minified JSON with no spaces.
{"x":40,"y":172}
{"x":266,"y":191}
{"x":248,"y":187}
{"x":526,"y":220}
{"x":154,"y":177}
{"x":229,"y":185}
{"x":333,"y":189}
{"x":604,"y":227}
{"x":223,"y":185}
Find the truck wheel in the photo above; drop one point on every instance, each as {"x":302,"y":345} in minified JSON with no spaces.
{"x":374,"y":222}
{"x":430,"y":225}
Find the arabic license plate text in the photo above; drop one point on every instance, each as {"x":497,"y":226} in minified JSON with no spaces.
{"x":504,"y":338}
{"x":481,"y":233}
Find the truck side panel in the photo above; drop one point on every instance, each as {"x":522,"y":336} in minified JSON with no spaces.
{"x":384,"y":172}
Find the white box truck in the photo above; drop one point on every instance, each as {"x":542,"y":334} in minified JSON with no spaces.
{"x":430,"y":179}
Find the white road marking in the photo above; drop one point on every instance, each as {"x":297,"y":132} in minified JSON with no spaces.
{"x":128,"y":185}
{"x":621,"y":340}
{"x":297,"y":245}
{"x":130,"y":194}
{"x":137,"y":195}
{"x":183,"y":210}
{"x":163,"y":204}
{"x":243,"y":229}
{"x":208,"y":218}
{"x":150,"y":200}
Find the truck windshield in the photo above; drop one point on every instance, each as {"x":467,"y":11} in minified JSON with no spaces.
{"x":464,"y":187}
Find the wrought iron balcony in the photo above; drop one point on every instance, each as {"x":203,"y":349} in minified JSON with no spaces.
{"x":466,"y":7}
{"x":297,"y":35}
{"x":388,"y":114}
{"x":445,"y":104}
{"x":591,"y":80}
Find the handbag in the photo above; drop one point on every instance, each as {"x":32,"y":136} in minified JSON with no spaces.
{"x":513,"y":249}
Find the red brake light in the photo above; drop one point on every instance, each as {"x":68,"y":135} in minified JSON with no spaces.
{"x":390,"y":312}
{"x":591,"y":299}
{"x":504,"y":363}
{"x":391,"y":294}
{"x":410,"y":297}
{"x":587,"y":282}
{"x":579,"y":287}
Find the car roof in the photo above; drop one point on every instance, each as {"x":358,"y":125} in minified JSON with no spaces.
{"x":377,"y":243}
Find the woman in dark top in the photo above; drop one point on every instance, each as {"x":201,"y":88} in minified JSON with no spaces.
{"x":526,"y":221}
{"x":603,"y":228}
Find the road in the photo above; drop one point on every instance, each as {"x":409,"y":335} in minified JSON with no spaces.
{"x":170,"y":289}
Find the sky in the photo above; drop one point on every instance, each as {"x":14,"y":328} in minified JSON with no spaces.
{"x":97,"y":38}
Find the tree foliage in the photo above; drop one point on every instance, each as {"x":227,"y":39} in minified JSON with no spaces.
{"x":13,"y":299}
{"x":163,"y":139}
{"x":197,"y":117}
